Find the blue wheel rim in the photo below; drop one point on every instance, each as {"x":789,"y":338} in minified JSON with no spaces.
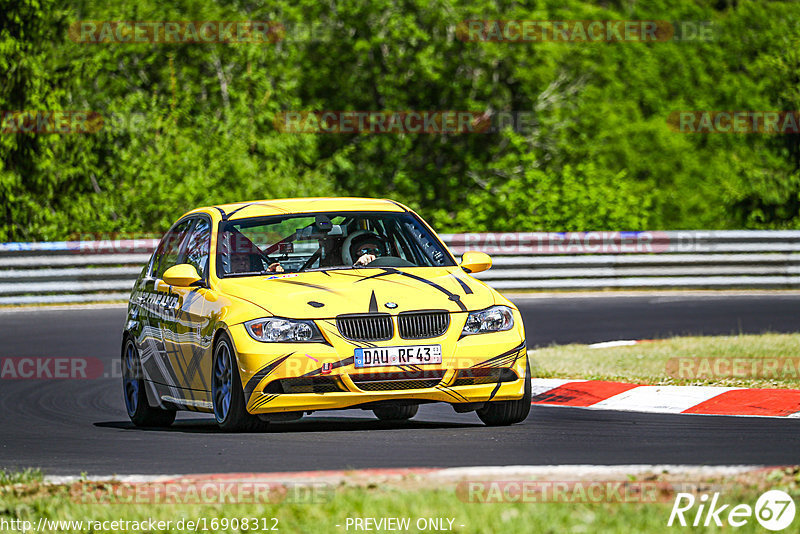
{"x":223,"y":382}
{"x":131,"y":379}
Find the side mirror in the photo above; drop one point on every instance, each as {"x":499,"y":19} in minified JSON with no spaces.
{"x":181,"y":275}
{"x":475,"y":262}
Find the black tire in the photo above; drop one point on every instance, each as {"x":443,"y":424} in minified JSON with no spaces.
{"x":133,"y":390}
{"x":503,"y":413}
{"x":231,"y":416}
{"x":396,"y":413}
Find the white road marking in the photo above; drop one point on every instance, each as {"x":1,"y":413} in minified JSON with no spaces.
{"x":618,"y":343}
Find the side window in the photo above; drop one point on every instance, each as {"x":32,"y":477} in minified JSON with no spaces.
{"x":198,"y":246}
{"x":169,"y":249}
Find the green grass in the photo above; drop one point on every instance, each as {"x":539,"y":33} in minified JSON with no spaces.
{"x":28,"y":476}
{"x":681,"y":361}
{"x":25,"y":497}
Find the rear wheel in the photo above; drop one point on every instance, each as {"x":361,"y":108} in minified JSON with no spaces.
{"x":227,"y":394}
{"x":396,"y":413}
{"x":502,"y":413}
{"x":139,"y":410}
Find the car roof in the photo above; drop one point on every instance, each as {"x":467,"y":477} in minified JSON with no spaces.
{"x":261,"y":208}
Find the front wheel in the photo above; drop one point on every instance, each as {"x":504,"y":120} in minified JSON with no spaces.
{"x":502,"y":413}
{"x":139,"y":410}
{"x":396,"y":413}
{"x":227,"y":395}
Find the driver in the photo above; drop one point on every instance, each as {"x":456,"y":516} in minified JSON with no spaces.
{"x":367,"y":248}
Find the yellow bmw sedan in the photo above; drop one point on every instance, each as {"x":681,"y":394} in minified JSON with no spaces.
{"x":263,"y":311}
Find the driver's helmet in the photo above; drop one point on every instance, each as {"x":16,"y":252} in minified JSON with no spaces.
{"x":368,"y":243}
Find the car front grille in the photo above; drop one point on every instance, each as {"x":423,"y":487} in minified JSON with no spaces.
{"x":397,"y":381}
{"x":366,"y":327}
{"x":422,"y":325}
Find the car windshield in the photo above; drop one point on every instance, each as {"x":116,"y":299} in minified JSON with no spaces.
{"x":322,"y":241}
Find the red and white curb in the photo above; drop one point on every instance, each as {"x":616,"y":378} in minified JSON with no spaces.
{"x":698,"y":400}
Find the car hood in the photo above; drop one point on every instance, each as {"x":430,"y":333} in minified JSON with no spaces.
{"x":324,"y":295}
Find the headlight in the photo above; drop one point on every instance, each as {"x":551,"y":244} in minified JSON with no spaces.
{"x":277,"y":330}
{"x":494,"y":319}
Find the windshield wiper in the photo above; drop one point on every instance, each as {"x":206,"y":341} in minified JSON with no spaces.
{"x":337,"y":268}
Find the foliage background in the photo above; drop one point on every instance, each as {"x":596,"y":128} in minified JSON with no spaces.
{"x":192,"y":124}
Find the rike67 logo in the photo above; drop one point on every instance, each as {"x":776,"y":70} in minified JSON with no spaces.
{"x":774,"y":510}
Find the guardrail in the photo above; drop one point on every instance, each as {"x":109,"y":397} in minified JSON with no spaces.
{"x":92,"y":271}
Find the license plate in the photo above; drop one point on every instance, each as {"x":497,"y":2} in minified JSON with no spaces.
{"x":409,"y":355}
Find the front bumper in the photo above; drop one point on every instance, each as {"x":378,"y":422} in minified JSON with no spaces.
{"x":270,"y":403}
{"x":260,"y":370}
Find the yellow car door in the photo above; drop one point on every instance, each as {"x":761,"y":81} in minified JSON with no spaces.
{"x":187,"y":338}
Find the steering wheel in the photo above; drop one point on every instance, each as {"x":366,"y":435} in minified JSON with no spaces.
{"x":390,"y":261}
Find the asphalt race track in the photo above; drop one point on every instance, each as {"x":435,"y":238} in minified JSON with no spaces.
{"x":74,"y":426}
